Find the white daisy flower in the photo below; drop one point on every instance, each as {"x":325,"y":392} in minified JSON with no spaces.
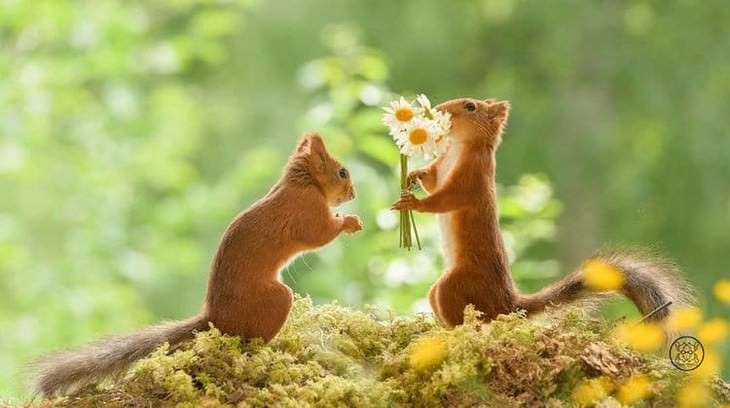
{"x":399,"y":115}
{"x":417,"y":130}
{"x":424,"y":102}
{"x":443,"y":124}
{"x":442,"y":119}
{"x":419,"y":138}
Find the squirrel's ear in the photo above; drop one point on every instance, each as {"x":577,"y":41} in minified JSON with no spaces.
{"x":317,"y":144}
{"x":490,"y":101}
{"x":304,"y":146}
{"x":499,"y":110}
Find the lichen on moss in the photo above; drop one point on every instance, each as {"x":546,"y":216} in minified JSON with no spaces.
{"x":329,"y":356}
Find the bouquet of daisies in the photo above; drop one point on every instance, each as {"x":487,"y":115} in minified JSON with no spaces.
{"x":418,"y":129}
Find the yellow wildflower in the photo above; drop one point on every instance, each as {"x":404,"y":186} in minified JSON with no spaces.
{"x":591,"y":391}
{"x":685,"y":318}
{"x":693,"y":394}
{"x":709,"y":367}
{"x":722,"y":290}
{"x":634,"y":390}
{"x":647,"y":336}
{"x":427,"y":352}
{"x":599,"y":275}
{"x":713,"y":331}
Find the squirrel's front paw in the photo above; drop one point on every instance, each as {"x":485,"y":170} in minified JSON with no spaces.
{"x":351,"y":224}
{"x":415,"y":176}
{"x":407,"y":201}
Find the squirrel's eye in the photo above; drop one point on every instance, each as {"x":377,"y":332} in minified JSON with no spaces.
{"x":470,"y":106}
{"x":344,"y":173}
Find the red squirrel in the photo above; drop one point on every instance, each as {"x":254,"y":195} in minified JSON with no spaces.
{"x":461,"y":189}
{"x":245,"y":296}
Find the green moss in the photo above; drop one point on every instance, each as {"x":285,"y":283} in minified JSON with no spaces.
{"x":330,"y":356}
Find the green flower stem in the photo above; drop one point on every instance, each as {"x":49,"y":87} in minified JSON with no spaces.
{"x":405,"y":230}
{"x":415,"y":231}
{"x":428,"y":114}
{"x":406,"y":216}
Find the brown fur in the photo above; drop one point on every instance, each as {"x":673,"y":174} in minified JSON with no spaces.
{"x":461,"y":190}
{"x":245,"y":296}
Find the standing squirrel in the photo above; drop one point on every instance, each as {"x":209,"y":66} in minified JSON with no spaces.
{"x":461,"y":190}
{"x":245,"y":296}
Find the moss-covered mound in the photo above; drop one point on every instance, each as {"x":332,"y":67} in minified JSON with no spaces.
{"x":331,"y":356}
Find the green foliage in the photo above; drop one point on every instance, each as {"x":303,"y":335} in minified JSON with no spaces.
{"x":101,"y":192}
{"x":331,"y":355}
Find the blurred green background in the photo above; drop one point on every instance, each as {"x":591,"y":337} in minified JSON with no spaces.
{"x":132,"y":132}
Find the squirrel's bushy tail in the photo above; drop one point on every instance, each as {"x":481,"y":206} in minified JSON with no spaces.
{"x":650,"y":282}
{"x":64,"y":371}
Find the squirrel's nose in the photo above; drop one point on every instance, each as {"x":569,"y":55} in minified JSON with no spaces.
{"x":443,"y":108}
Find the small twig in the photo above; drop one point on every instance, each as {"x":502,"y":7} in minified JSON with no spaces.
{"x":655,"y":311}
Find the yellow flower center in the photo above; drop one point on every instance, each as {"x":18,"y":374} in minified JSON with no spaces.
{"x":418,"y":136}
{"x":404,"y":114}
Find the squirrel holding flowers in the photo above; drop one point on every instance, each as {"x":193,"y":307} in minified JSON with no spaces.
{"x":245,"y":296}
{"x":461,"y":190}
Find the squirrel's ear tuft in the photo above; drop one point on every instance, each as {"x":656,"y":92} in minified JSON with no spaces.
{"x":312,"y":145}
{"x":499,"y":110}
{"x":317,"y":143}
{"x":304,"y":146}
